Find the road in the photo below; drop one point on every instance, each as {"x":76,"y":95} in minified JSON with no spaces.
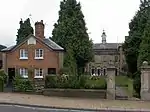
{"x":15,"y":108}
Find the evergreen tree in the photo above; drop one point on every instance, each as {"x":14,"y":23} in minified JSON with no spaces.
{"x":71,"y":33}
{"x":24,"y":30}
{"x":132,"y":42}
{"x":144,"y":52}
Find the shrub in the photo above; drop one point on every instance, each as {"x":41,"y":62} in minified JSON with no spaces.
{"x":75,"y":82}
{"x":1,"y":84}
{"x":22,"y":85}
{"x":3,"y":75}
{"x":96,"y":82}
{"x":137,"y":84}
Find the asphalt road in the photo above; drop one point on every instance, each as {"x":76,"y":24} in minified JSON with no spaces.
{"x":15,"y":108}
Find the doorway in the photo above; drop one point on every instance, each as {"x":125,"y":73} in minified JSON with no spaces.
{"x":11,"y":74}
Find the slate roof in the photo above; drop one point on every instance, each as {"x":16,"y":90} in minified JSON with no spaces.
{"x":51,"y":44}
{"x":101,"y":46}
{"x":2,"y":47}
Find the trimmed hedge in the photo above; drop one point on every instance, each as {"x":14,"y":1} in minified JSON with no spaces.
{"x":1,"y":84}
{"x":22,"y":85}
{"x":74,"y":82}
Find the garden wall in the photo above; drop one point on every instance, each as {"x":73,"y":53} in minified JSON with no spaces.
{"x":80,"y":93}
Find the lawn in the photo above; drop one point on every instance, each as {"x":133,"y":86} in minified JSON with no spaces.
{"x":125,"y":81}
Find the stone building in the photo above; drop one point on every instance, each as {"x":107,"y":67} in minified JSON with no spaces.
{"x":106,"y":54}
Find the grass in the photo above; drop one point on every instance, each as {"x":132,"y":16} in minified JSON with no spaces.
{"x":125,"y":81}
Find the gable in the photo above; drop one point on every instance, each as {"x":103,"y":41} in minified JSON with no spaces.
{"x":31,"y":39}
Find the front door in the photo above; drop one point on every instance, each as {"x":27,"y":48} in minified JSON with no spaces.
{"x":11,"y":74}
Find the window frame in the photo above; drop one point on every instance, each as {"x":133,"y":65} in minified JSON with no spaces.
{"x":23,"y":54}
{"x":38,"y":71}
{"x":38,"y":55}
{"x":23,"y":72}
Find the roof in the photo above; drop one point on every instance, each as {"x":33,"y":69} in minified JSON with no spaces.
{"x":51,"y":44}
{"x":2,"y":47}
{"x":100,"y":46}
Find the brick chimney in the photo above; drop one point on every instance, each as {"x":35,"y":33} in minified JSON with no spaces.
{"x":39,"y":29}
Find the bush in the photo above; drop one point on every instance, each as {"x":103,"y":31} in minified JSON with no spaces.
{"x":3,"y":75}
{"x":1,"y":84}
{"x":75,"y":82}
{"x":137,"y":84}
{"x":22,"y":85}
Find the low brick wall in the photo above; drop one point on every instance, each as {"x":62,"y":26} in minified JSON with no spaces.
{"x":80,"y":93}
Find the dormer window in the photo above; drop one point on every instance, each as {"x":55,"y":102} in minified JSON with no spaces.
{"x":39,"y":54}
{"x":23,"y":54}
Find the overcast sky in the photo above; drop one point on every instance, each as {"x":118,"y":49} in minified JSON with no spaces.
{"x":111,"y":15}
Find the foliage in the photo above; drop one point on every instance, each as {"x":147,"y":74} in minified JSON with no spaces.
{"x":70,"y":32}
{"x":137,"y":84}
{"x":132,"y":42}
{"x":1,"y":84}
{"x":144,"y":52}
{"x":74,"y":82}
{"x":22,"y":85}
{"x":24,"y":30}
{"x":3,"y":75}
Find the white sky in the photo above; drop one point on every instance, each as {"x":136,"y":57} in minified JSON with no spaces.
{"x":111,"y":15}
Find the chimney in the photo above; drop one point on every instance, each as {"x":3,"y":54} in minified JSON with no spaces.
{"x":39,"y":29}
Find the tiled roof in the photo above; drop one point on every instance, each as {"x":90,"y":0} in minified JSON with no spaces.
{"x":106,"y":46}
{"x":8,"y":48}
{"x":52,"y":44}
{"x":2,"y":47}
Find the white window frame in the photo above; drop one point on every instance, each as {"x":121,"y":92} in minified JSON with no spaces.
{"x":38,"y":73}
{"x":23,"y":72}
{"x":23,"y":54}
{"x":40,"y":54}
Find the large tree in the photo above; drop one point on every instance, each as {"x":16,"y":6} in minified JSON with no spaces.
{"x":132,"y":42}
{"x":144,"y":52}
{"x":24,"y":30}
{"x":71,"y":33}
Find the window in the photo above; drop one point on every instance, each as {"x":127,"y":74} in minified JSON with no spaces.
{"x":24,"y":72}
{"x":51,"y":71}
{"x":39,"y":54}
{"x":38,"y":73}
{"x":23,"y":54}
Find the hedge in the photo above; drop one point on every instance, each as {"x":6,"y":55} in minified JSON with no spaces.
{"x":22,"y":85}
{"x":74,"y":82}
{"x":1,"y":84}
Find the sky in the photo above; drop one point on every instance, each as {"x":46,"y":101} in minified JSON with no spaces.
{"x":111,"y":15}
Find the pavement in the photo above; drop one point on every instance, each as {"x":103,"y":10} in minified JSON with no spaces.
{"x":40,"y":101}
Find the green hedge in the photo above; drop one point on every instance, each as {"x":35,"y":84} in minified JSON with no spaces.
{"x":74,"y":82}
{"x":1,"y":84}
{"x":22,"y":85}
{"x":3,"y":75}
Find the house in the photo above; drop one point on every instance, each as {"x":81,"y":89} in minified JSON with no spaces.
{"x":36,"y":53}
{"x":106,"y":54}
{"x":1,"y":47}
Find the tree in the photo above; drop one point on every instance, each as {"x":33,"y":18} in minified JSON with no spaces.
{"x":24,"y":30}
{"x":70,"y":32}
{"x":132,"y":42}
{"x":144,"y":52}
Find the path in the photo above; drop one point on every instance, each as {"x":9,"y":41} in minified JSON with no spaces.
{"x":71,"y":102}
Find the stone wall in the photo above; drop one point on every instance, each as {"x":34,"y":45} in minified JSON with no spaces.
{"x":145,"y":81}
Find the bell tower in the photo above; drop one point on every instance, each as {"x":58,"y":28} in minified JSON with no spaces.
{"x":103,"y":37}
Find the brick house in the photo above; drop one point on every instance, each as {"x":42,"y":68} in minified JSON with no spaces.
{"x":36,"y":53}
{"x":1,"y":47}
